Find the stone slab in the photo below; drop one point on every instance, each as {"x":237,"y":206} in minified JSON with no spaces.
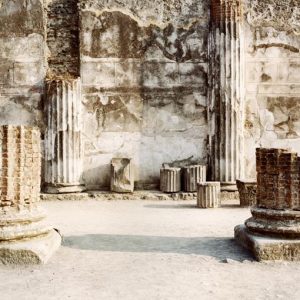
{"x":266,"y":248}
{"x":30,"y":251}
{"x":63,"y":189}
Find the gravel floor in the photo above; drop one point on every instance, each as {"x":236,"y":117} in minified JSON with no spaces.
{"x":148,"y":250}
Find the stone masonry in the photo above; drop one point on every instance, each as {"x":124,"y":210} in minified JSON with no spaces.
{"x":24,"y":238}
{"x":273,"y":231}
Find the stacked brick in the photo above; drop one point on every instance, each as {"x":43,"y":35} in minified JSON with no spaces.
{"x":20,"y":166}
{"x":277,"y":179}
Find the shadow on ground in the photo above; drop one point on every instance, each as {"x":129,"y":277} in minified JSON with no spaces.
{"x":219,"y":248}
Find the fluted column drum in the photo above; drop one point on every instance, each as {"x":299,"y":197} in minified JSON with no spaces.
{"x":192,"y":175}
{"x":209,"y":195}
{"x":170,"y":180}
{"x":63,"y":143}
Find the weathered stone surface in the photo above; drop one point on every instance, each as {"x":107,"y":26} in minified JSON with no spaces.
{"x":247,"y":192}
{"x":192,"y":175}
{"x":170,"y":180}
{"x":63,"y":144}
{"x":24,"y":237}
{"x":272,"y":54}
{"x":122,"y":175}
{"x":144,"y":74}
{"x":208,"y":194}
{"x":267,"y":248}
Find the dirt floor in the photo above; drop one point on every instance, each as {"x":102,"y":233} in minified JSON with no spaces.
{"x":148,"y":250}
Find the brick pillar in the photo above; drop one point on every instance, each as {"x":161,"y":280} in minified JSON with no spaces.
{"x":273,"y":231}
{"x":225,"y":109}
{"x":63,"y":144}
{"x":24,"y":238}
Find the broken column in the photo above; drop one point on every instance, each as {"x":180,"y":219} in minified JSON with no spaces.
{"x":273,"y":231}
{"x":192,"y":175}
{"x":122,"y":175}
{"x":170,"y":180}
{"x":63,"y":144}
{"x":247,"y":192}
{"x":225,"y":106}
{"x":208,"y":194}
{"x":24,"y":238}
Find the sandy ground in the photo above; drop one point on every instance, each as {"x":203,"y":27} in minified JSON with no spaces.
{"x":148,"y":250}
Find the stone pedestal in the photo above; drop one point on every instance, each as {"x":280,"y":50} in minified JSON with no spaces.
{"x":170,"y":180}
{"x":192,"y":175}
{"x":209,"y":195}
{"x":63,"y":144}
{"x":276,"y":217}
{"x":24,"y":237}
{"x":247,"y":192}
{"x":122,"y":175}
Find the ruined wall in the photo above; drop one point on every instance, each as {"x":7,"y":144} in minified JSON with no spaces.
{"x":272,"y":78}
{"x":22,"y":63}
{"x":144,"y":75}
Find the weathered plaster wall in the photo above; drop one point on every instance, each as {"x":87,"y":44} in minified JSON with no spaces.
{"x":272,"y":79}
{"x":144,"y":75}
{"x":22,"y":63}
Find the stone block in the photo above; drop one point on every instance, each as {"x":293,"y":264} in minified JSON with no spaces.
{"x":36,"y":250}
{"x":170,"y":180}
{"x":208,"y":194}
{"x":192,"y":175}
{"x":122,"y":175}
{"x":247,"y":192}
{"x":266,"y":248}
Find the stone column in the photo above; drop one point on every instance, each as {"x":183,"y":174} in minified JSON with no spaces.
{"x":24,"y":238}
{"x":209,"y":195}
{"x":273,"y":231}
{"x":63,"y":144}
{"x":225,"y":108}
{"x":170,"y":180}
{"x":122,"y":175}
{"x":192,"y":175}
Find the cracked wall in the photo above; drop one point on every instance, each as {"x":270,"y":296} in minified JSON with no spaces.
{"x":144,"y":75}
{"x":22,"y":63}
{"x":272,"y":79}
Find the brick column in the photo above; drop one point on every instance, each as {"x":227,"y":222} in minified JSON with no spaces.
{"x":225,"y":109}
{"x":63,"y":145}
{"x":273,"y":231}
{"x":24,"y":238}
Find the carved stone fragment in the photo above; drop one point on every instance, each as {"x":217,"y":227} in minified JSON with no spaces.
{"x":209,"y":195}
{"x":122,"y":175}
{"x":192,"y":175}
{"x":170,"y":180}
{"x":247,"y":192}
{"x":24,"y":238}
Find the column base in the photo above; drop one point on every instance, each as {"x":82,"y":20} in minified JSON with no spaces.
{"x":63,"y":189}
{"x":30,"y":251}
{"x":267,"y":248}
